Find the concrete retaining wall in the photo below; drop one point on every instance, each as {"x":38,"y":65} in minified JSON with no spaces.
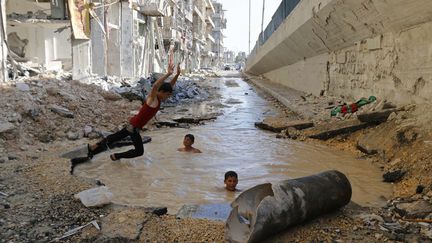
{"x":352,"y":48}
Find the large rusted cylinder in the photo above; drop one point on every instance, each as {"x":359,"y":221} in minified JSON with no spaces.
{"x":267,"y":209}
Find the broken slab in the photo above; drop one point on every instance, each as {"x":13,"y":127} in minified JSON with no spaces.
{"x":166,"y":123}
{"x":268,"y":209}
{"x":278,"y":124}
{"x":206,"y":211}
{"x":416,"y":209}
{"x":125,"y":224}
{"x":376,"y":116}
{"x":333,"y":129}
{"x":95,"y":197}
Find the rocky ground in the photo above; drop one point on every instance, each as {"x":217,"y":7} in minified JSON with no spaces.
{"x":397,"y":139}
{"x":43,"y":116}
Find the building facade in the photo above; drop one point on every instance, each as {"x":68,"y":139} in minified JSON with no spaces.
{"x":218,"y":36}
{"x":127,"y":39}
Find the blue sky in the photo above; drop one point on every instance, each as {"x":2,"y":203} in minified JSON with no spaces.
{"x":237,"y":15}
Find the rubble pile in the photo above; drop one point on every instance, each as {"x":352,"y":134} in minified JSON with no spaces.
{"x":187,"y":90}
{"x":44,"y":109}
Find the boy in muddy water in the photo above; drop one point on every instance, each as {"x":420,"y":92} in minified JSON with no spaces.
{"x":188,"y":141}
{"x":160,"y":92}
{"x":231,"y":180}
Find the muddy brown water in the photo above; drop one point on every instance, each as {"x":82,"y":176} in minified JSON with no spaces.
{"x":165,"y":177}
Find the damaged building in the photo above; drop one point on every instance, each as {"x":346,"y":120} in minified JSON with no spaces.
{"x":125,"y":39}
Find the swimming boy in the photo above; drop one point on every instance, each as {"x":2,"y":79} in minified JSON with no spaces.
{"x":231,"y":180}
{"x":188,"y":140}
{"x":160,"y":92}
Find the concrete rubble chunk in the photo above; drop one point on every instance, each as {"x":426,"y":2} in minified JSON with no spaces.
{"x":61,"y":111}
{"x":22,"y":87}
{"x":416,"y":209}
{"x":330,"y":130}
{"x":393,"y":176}
{"x":4,"y":159}
{"x":87,"y":130}
{"x":277,"y":124}
{"x":132,"y":221}
{"x":367,"y":146}
{"x":107,"y":95}
{"x":206,"y":211}
{"x":52,"y":91}
{"x":67,"y":96}
{"x":6,"y":127}
{"x":95,"y":197}
{"x":73,"y":135}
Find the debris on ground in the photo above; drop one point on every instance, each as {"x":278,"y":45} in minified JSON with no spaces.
{"x":95,"y":197}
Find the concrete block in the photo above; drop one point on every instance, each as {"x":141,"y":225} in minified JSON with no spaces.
{"x":277,"y":124}
{"x":341,"y":57}
{"x":374,"y":43}
{"x":54,"y":65}
{"x":334,"y":129}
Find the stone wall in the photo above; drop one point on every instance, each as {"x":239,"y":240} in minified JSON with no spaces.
{"x":352,"y":48}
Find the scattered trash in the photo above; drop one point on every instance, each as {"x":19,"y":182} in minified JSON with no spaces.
{"x":345,"y":109}
{"x":4,"y":194}
{"x":76,"y":230}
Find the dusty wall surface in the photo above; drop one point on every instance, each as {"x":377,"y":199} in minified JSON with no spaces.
{"x":22,"y":6}
{"x":400,"y":70}
{"x":307,"y":75}
{"x":373,"y":47}
{"x":3,"y":48}
{"x":44,"y":44}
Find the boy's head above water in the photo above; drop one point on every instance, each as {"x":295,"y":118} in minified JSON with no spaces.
{"x":231,"y":180}
{"x":188,"y":140}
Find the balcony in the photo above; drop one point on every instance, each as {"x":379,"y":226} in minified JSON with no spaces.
{"x":151,"y":7}
{"x":209,"y":37}
{"x":197,"y":12}
{"x":210,"y":21}
{"x":210,"y":7}
{"x":170,"y":34}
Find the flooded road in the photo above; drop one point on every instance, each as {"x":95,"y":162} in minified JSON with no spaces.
{"x":165,"y":177}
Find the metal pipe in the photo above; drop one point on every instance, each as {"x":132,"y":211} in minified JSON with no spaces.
{"x":267,"y":209}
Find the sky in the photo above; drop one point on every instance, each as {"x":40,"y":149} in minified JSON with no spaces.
{"x":237,"y":15}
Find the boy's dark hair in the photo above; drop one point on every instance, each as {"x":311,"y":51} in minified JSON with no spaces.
{"x":191,"y":137}
{"x":230,"y":174}
{"x":166,"y":88}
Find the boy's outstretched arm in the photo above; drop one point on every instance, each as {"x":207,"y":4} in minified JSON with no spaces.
{"x":174,"y":80}
{"x":159,"y":82}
